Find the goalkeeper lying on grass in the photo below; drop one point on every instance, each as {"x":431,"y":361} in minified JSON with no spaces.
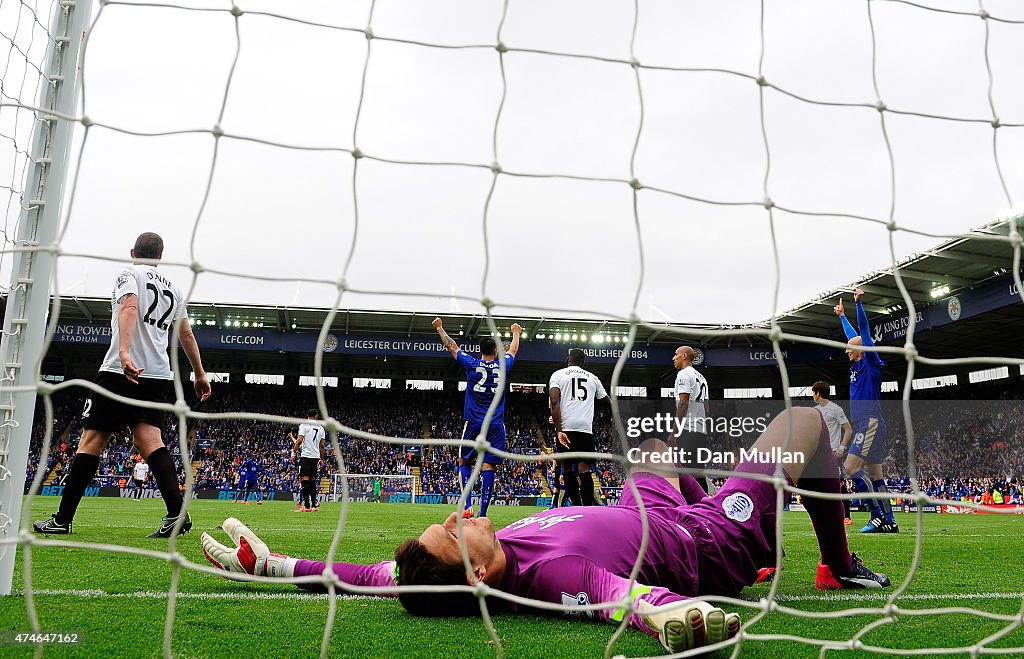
{"x":697,"y":546}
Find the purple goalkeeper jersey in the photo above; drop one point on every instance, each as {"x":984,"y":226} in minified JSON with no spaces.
{"x":583,"y":556}
{"x":609,"y":538}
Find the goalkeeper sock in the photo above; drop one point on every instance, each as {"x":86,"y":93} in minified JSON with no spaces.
{"x":587,"y":489}
{"x":83,"y":469}
{"x":487,"y":479}
{"x":827,"y":519}
{"x":884,"y":504}
{"x":162,"y":465}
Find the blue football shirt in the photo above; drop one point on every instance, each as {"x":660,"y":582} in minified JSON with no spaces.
{"x":481,"y":386}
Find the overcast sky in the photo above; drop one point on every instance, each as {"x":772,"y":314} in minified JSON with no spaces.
{"x":555,"y":242}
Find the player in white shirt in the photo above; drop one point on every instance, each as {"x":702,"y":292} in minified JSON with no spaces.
{"x":310,"y":446}
{"x":840,"y":432}
{"x":692,"y":408}
{"x":145,"y":307}
{"x":139,"y":474}
{"x":572,"y":392}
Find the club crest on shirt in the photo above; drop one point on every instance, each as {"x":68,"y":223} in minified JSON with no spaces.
{"x":738,"y":507}
{"x":122,"y":280}
{"x":573,"y":601}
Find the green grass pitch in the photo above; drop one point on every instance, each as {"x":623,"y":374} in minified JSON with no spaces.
{"x":967,"y":561}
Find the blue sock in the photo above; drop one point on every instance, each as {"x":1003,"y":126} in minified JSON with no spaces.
{"x":862,"y":483}
{"x":485,"y":490}
{"x":885,"y":505}
{"x":465,"y":471}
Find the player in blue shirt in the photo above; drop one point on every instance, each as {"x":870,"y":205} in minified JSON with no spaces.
{"x":248,"y":479}
{"x":481,"y":389}
{"x":867,"y":452}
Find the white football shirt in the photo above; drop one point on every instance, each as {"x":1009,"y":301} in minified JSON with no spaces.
{"x":690,"y":381}
{"x":834,"y":419}
{"x":141,"y":471}
{"x":579,"y":389}
{"x":160,"y":304}
{"x":311,"y":434}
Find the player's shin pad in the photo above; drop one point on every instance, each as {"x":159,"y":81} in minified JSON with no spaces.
{"x":695,"y":624}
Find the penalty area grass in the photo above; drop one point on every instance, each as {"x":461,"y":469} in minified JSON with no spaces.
{"x":118,"y":603}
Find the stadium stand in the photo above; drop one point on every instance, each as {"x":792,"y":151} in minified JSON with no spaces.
{"x":985,"y":440}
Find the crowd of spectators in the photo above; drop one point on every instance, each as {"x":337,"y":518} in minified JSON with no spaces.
{"x":969,"y":440}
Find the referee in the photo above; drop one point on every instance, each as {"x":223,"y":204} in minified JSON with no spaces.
{"x":572,"y":392}
{"x":835,"y":421}
{"x":310,"y":446}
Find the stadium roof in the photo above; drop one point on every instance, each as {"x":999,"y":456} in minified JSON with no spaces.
{"x":953,"y":268}
{"x":962,"y":263}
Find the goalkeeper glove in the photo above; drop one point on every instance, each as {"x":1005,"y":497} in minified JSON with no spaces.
{"x":694,"y":624}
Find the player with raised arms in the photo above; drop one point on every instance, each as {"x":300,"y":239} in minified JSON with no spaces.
{"x":864,"y":461}
{"x":482,"y":388}
{"x":585,"y":555}
{"x":310,"y":446}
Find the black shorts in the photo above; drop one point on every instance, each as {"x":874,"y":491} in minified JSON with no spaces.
{"x":692,"y":443}
{"x":579,"y":442}
{"x":308,"y":467}
{"x":108,"y":415}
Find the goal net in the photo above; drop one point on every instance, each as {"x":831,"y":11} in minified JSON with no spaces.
{"x":377,"y":488}
{"x":686,"y":170}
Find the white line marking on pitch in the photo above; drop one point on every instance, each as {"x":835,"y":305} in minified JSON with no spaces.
{"x":152,"y":594}
{"x":922,"y":597}
{"x":928,"y":534}
{"x":836,"y":597}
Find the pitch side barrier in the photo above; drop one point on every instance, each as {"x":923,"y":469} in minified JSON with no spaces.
{"x":611,"y":498}
{"x":357,"y":497}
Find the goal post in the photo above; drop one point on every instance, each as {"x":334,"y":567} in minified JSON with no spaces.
{"x":362,"y":484}
{"x":523,"y":172}
{"x":28,"y":298}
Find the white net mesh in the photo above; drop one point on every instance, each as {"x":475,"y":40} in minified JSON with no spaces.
{"x":342,"y":113}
